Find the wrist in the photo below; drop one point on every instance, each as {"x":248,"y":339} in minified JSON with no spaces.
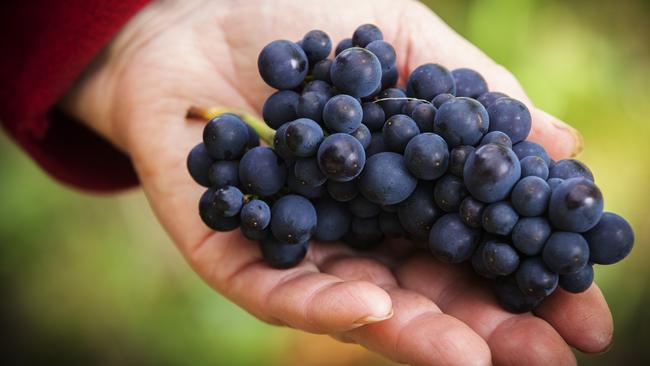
{"x":94,"y":98}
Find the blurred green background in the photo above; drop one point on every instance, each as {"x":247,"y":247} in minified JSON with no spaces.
{"x":94,"y":280}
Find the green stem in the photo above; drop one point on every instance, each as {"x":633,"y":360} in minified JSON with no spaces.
{"x":266,"y":133}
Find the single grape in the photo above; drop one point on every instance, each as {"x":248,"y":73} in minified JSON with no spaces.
{"x":198,"y":165}
{"x":293,"y":219}
{"x":280,"y":255}
{"x":356,"y":71}
{"x":224,"y":173}
{"x":343,"y":45}
{"x":469,"y":83}
{"x":376,"y":145}
{"x":576,"y":205}
{"x":510,"y":116}
{"x":530,"y":148}
{"x":303,"y":137}
{"x":384,"y":52}
{"x":424,"y":114}
{"x":310,"y":105}
{"x":451,"y":240}
{"x":390,"y":226}
{"x":512,"y":299}
{"x":535,"y":278}
{"x":429,"y":80}
{"x":449,"y":192}
{"x":471,"y":211}
{"x":282,"y":64}
{"x":570,"y":168}
{"x":308,"y":173}
{"x":341,"y":157}
{"x":418,"y":212}
{"x":365,"y":34}
{"x":500,"y":258}
{"x":342,"y":113}
{"x":395,"y":103}
{"x":534,"y":166}
{"x":427,"y":156}
{"x":317,"y":45}
{"x":490,"y":172}
{"x":333,"y":220}
{"x":386,"y":180}
{"x":320,"y":87}
{"x":578,"y":282}
{"x":488,"y":98}
{"x":610,"y":240}
{"x":210,"y":214}
{"x":398,"y":131}
{"x":441,"y":99}
{"x":255,"y":215}
{"x":530,"y":234}
{"x":280,"y":108}
{"x":457,"y":158}
{"x":565,"y":253}
{"x":499,"y":218}
{"x":225,"y":137}
{"x":321,"y":70}
{"x":363,"y":135}
{"x":461,"y":121}
{"x":342,"y":191}
{"x":262,"y":172}
{"x":364,"y":233}
{"x":530,"y":196}
{"x":373,"y":116}
{"x":496,"y":137}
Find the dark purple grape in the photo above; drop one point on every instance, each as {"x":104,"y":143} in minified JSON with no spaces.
{"x":343,"y":45}
{"x":471,"y":212}
{"x":342,"y":191}
{"x":342,"y":113}
{"x":255,"y":215}
{"x":488,"y":98}
{"x":293,"y":219}
{"x":499,"y":218}
{"x":333,"y":220}
{"x":534,"y":166}
{"x":570,"y":168}
{"x":363,"y":135}
{"x":341,"y":157}
{"x":451,"y":240}
{"x":530,"y":234}
{"x":365,"y":34}
{"x":282,"y":64}
{"x":424,"y":114}
{"x":469,"y":83}
{"x":490,"y":173}
{"x":457,"y":158}
{"x":461,"y":121}
{"x":530,"y":196}
{"x":280,"y":108}
{"x":224,"y":173}
{"x":500,"y":259}
{"x":373,"y":116}
{"x":565,"y":253}
{"x":321,"y":70}
{"x":535,"y":278}
{"x":395,"y":103}
{"x":530,"y":148}
{"x":510,"y":116}
{"x":427,"y":156}
{"x":449,"y":192}
{"x":303,"y":137}
{"x":198,"y":165}
{"x":576,"y":205}
{"x":512,"y":299}
{"x":386,"y":180}
{"x":429,"y":80}
{"x":225,"y":137}
{"x":610,"y":240}
{"x":280,"y":255}
{"x":441,"y":99}
{"x":262,"y":172}
{"x":398,"y":131}
{"x":496,"y":137}
{"x":210,"y":215}
{"x":418,"y":212}
{"x":317,"y":45}
{"x":356,"y":71}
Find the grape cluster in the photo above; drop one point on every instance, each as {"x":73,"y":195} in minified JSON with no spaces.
{"x":444,"y":162}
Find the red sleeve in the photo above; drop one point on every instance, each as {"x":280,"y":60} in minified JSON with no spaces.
{"x":45,"y":46}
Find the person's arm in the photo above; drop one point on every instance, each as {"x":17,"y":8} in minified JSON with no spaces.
{"x":47,"y":45}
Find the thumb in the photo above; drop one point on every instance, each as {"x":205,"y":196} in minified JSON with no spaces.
{"x":426,"y":38}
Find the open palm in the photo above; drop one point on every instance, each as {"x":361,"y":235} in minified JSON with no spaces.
{"x":172,"y":55}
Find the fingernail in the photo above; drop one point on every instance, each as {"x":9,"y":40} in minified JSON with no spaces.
{"x":606,"y":337}
{"x":370,"y":319}
{"x":606,"y":349}
{"x":578,"y":141}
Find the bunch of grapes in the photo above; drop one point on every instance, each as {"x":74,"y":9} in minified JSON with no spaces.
{"x":444,"y":163}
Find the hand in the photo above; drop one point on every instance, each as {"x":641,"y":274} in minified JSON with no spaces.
{"x":174,"y":54}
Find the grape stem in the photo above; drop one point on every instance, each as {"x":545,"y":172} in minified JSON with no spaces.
{"x":401,"y":98}
{"x":266,"y":133}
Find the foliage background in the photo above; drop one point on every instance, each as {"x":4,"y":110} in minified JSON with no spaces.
{"x":94,"y":280}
